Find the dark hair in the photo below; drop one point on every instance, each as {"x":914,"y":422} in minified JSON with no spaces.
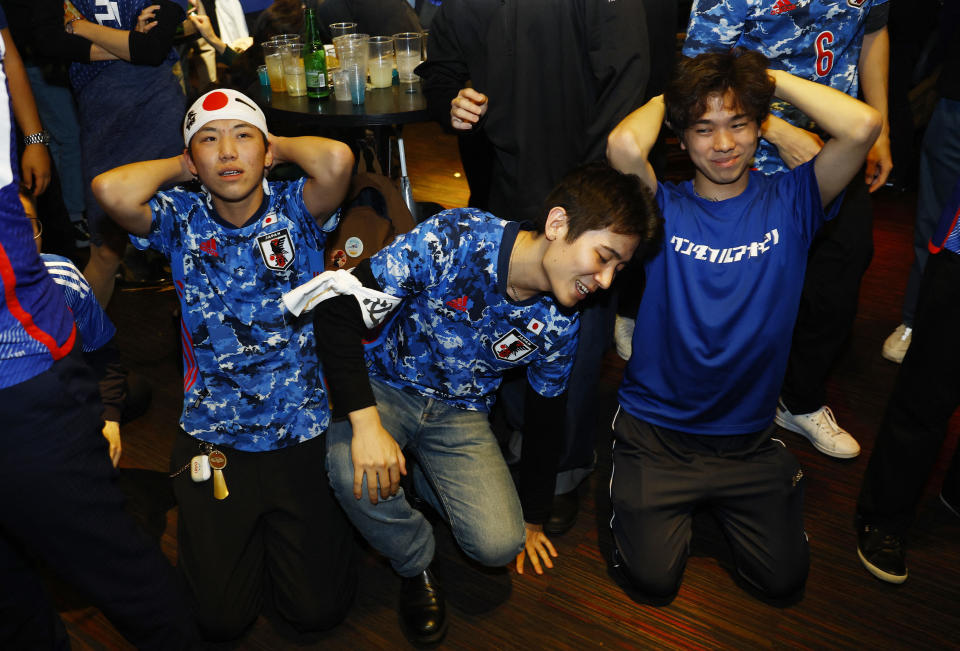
{"x":595,"y":196}
{"x":714,"y":73}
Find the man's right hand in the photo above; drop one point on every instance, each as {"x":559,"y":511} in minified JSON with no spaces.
{"x":467,"y":108}
{"x":375,"y":454}
{"x":796,"y":146}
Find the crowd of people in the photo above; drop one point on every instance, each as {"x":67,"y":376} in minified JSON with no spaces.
{"x":320,"y":404}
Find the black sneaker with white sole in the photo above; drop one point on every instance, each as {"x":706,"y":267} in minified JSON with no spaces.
{"x":882,"y":553}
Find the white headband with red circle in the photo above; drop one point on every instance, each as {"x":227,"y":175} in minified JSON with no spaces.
{"x":222,"y":104}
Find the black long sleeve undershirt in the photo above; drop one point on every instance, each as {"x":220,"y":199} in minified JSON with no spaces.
{"x":339,"y":329}
{"x":152,"y":48}
{"x":540,"y":453}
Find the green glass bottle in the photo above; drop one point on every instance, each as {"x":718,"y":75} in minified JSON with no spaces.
{"x":314,"y":59}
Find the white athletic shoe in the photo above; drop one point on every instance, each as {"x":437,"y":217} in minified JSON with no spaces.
{"x":895,"y":347}
{"x":822,"y":429}
{"x":623,"y":336}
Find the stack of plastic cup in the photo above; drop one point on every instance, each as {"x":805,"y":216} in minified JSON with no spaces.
{"x":336,"y":30}
{"x":354,"y":50}
{"x":381,"y":61}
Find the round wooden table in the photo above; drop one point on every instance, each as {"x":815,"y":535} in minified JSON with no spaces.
{"x":382,"y":107}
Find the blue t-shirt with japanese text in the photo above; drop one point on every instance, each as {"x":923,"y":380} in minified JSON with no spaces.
{"x":714,"y":326}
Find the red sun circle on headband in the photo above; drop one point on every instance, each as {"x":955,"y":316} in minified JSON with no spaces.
{"x":215,"y":100}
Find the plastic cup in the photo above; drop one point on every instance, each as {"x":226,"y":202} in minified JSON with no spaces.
{"x":340,"y":29}
{"x":294,"y":75}
{"x":353,"y":61}
{"x":340,"y":40}
{"x":408,"y":49}
{"x":381,"y":61}
{"x":341,"y":90}
{"x":274,"y":62}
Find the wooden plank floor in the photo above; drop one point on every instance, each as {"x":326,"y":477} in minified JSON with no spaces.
{"x":576,"y":605}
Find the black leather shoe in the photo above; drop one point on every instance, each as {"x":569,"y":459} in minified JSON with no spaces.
{"x":563,"y":513}
{"x":423,"y":615}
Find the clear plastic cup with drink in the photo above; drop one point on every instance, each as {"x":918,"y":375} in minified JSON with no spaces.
{"x":294,"y":74}
{"x":273,"y":59}
{"x":407,"y":45}
{"x":381,"y":61}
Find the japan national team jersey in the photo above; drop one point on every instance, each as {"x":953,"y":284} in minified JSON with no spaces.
{"x":716,"y":319}
{"x":95,"y":327}
{"x":35,"y":326}
{"x":251,"y":376}
{"x":457,"y":332}
{"x":947,"y":234}
{"x":115,"y":14}
{"x":817,"y":40}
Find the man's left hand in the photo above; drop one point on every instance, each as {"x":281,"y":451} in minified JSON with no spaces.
{"x":35,"y":166}
{"x":879,"y":163}
{"x":538,"y":547}
{"x":111,"y":432}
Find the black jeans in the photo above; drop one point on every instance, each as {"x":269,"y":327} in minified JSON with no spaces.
{"x":279,"y":542}
{"x":63,"y":507}
{"x":839,"y":257}
{"x":925,"y":395}
{"x":751,"y":483}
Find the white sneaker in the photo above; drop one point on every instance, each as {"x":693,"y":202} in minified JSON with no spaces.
{"x":623,"y":336}
{"x":895,"y":347}
{"x":821,"y":428}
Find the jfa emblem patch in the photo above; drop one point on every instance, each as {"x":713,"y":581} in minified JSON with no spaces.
{"x":512,"y":346}
{"x":276,"y":249}
{"x":856,"y":4}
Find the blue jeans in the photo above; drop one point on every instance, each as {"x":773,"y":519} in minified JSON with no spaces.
{"x":460,"y":472}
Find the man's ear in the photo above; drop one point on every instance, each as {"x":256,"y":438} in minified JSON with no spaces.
{"x":190,"y":165}
{"x":268,"y":156}
{"x":556,"y":224}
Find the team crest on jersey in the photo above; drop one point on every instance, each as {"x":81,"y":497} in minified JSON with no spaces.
{"x":276,"y":249}
{"x":512,"y":346}
{"x":856,"y":4}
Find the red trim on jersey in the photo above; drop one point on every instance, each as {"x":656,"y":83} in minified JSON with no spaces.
{"x":934,"y":248}
{"x":9,"y":278}
{"x":186,"y":343}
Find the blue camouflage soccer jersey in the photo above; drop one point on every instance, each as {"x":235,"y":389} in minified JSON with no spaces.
{"x":251,"y":376}
{"x":817,"y":40}
{"x":457,"y":332}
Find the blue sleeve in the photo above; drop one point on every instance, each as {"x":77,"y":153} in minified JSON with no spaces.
{"x":417,"y":260}
{"x":800,"y":192}
{"x":550,"y":374}
{"x":3,"y":19}
{"x":714,"y":25}
{"x":290,"y":202}
{"x":92,"y":322}
{"x":165,"y":207}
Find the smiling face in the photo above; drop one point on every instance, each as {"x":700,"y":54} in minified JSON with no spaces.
{"x":721,"y":144}
{"x":576,"y":269}
{"x":229,"y":157}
